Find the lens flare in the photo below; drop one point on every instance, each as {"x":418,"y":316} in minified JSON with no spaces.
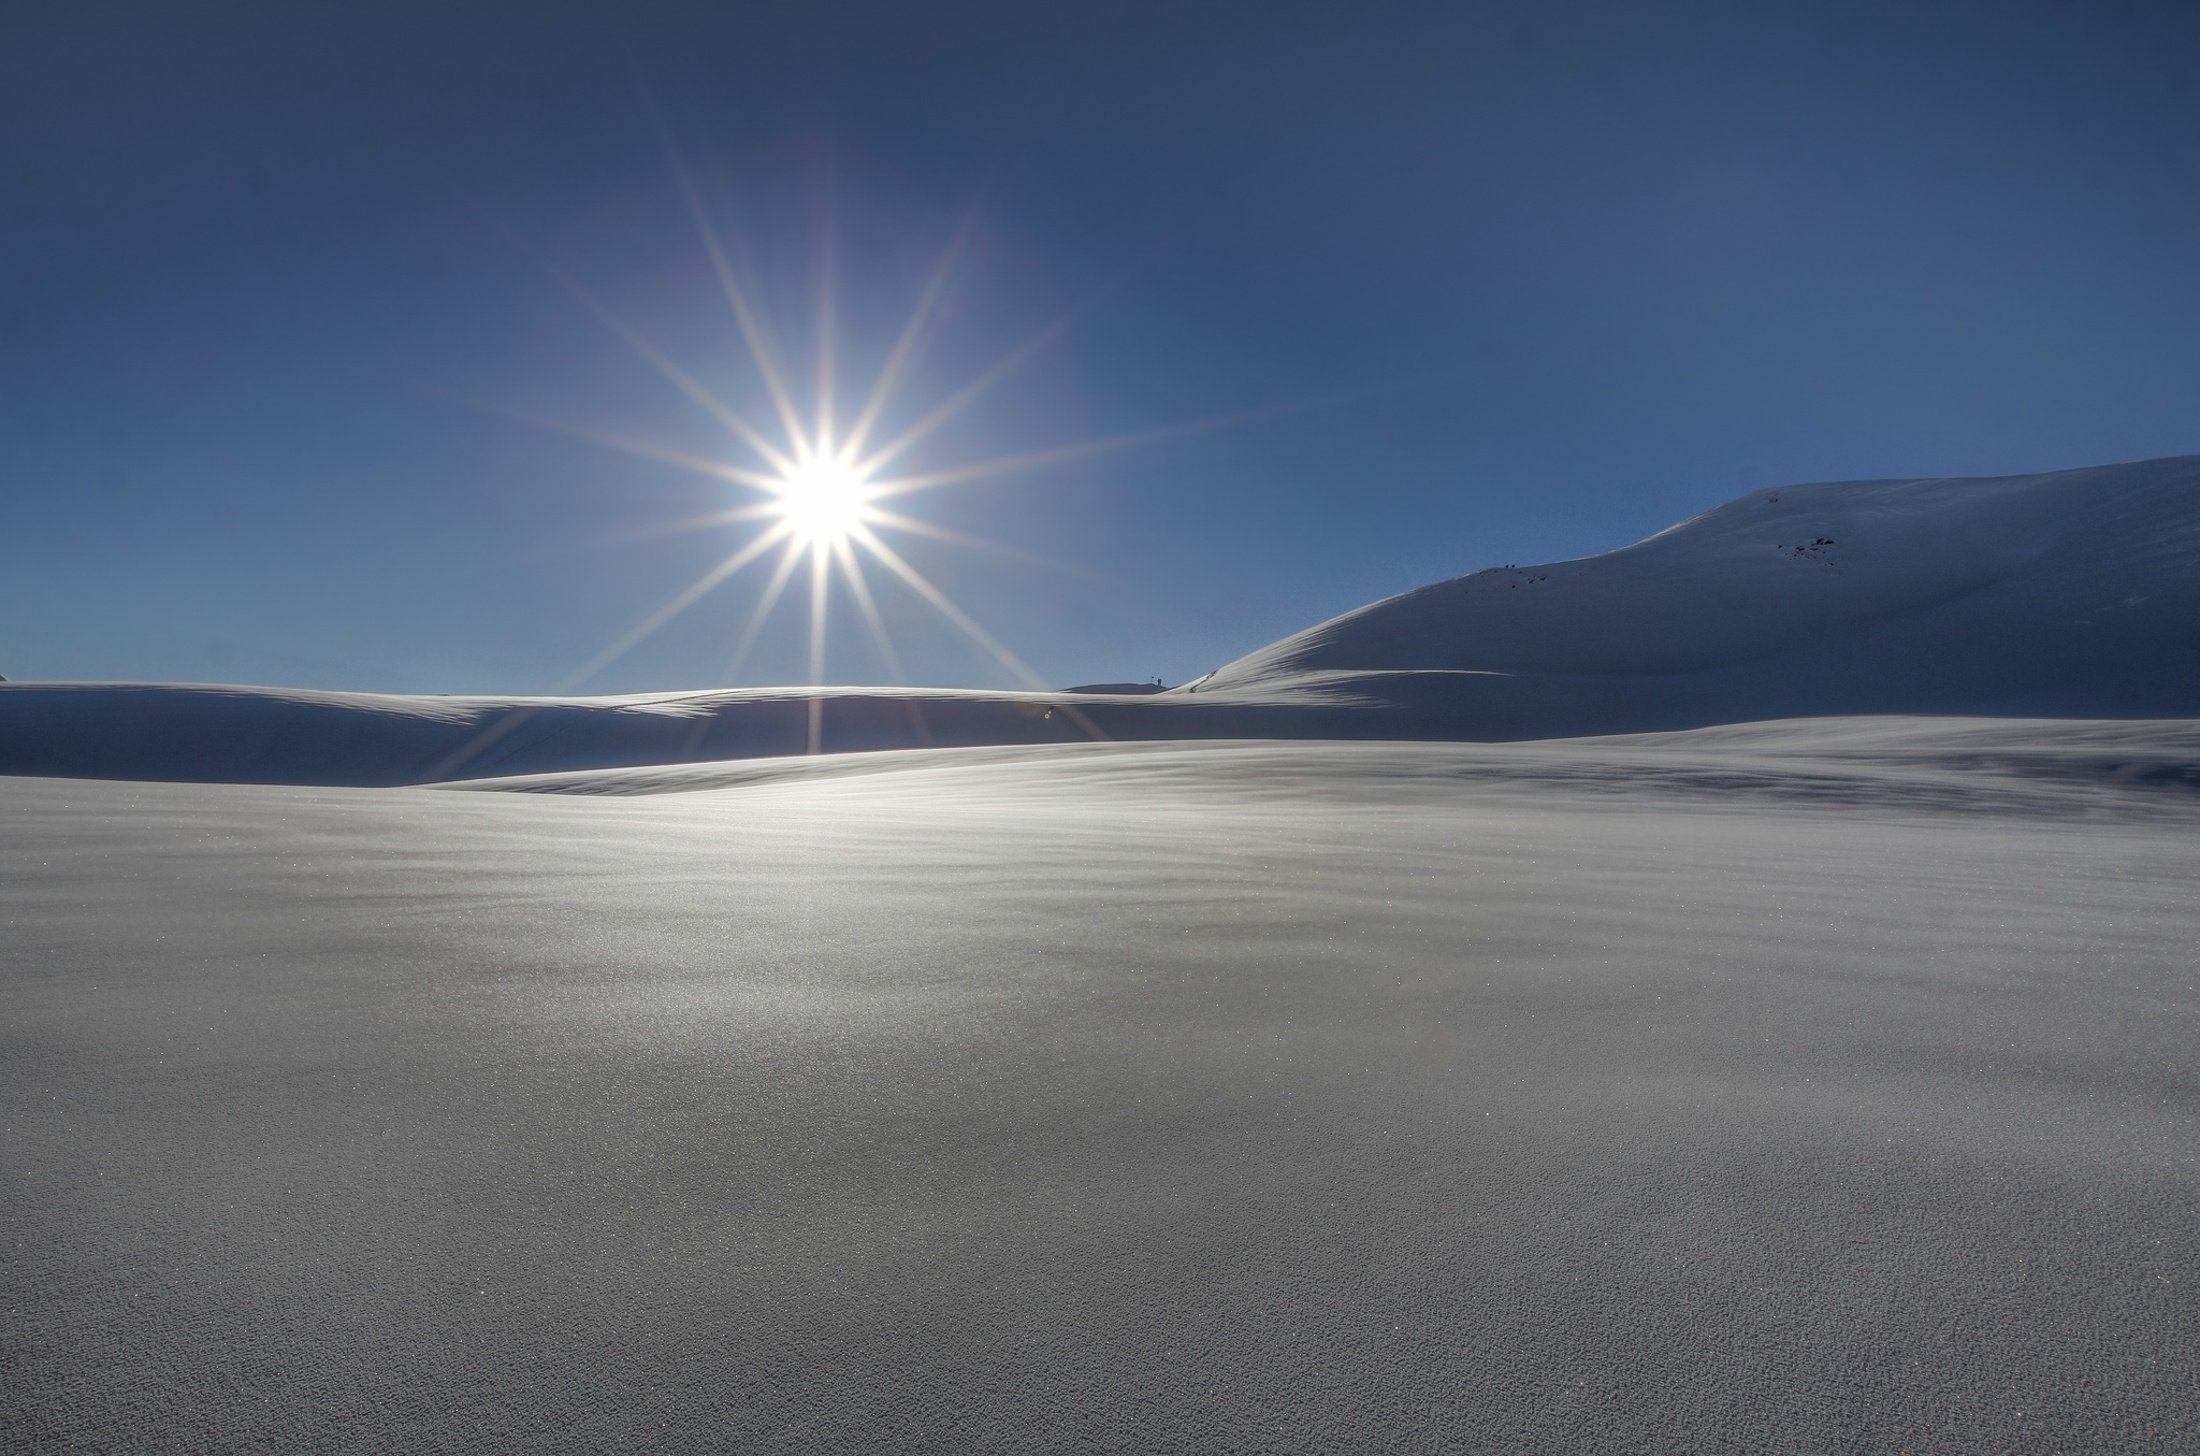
{"x":812,"y":490}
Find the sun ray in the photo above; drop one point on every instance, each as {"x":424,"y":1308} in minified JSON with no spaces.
{"x":754,"y":627}
{"x":687,"y":525}
{"x":820,"y":580}
{"x":821,"y":553}
{"x":879,"y":515}
{"x":679,"y":378}
{"x":639,"y":449}
{"x":745,"y":313}
{"x":828,"y":303}
{"x":946,"y":607}
{"x":679,"y":603}
{"x":1076,"y":450}
{"x":897,"y":360}
{"x":859,"y":586}
{"x":963,"y":398}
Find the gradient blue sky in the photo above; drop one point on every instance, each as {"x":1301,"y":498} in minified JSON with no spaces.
{"x":1555,"y":276}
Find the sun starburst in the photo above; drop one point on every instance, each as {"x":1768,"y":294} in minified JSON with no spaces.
{"x":822,"y":499}
{"x":816,"y":492}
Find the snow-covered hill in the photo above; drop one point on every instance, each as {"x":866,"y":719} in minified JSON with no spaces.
{"x":208,"y":733}
{"x":2076,"y":592}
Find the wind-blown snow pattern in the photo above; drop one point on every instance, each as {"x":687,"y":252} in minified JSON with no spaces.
{"x":1814,"y":1087}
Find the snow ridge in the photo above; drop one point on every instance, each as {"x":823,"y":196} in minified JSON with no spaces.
{"x":2074,"y":594}
{"x":2071,"y":592}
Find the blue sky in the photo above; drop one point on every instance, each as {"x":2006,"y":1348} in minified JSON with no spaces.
{"x":1531,"y":281}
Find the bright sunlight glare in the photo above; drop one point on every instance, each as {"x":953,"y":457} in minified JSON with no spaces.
{"x":822,"y":500}
{"x":822,"y":487}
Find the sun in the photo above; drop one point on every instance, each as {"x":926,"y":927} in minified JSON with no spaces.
{"x":822,"y":500}
{"x":823,"y":491}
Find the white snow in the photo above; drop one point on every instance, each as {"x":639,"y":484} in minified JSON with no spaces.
{"x":1812,"y":1086}
{"x":1826,"y":1083}
{"x":2073,"y":592}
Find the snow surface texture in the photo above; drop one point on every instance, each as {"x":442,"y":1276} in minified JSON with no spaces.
{"x":1818,"y":1086}
{"x":2071,"y":594}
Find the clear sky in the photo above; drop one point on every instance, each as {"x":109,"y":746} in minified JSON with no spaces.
{"x":288,"y":306}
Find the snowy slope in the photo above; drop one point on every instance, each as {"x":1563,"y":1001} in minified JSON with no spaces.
{"x":2076,"y":592}
{"x":1796,"y":1087}
{"x":213,"y":733}
{"x":2040,"y":767}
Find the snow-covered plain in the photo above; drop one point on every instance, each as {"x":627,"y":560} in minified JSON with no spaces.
{"x":1815,"y":1085}
{"x":1809,"y":1087}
